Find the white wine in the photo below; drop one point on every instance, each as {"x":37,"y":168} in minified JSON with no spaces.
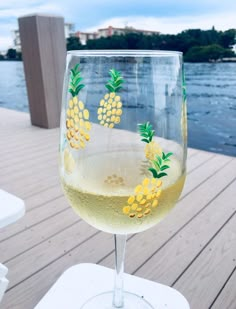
{"x":116,"y":193}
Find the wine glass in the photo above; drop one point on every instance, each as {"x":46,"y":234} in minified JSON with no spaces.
{"x":123,"y":146}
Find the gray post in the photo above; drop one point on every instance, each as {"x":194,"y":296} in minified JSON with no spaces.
{"x":44,"y":52}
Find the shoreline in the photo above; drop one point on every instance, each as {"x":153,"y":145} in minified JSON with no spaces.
{"x":223,"y":60}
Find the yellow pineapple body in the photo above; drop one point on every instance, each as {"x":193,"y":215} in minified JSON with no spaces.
{"x":77,"y":124}
{"x":145,"y":198}
{"x":110,"y":107}
{"x":110,"y":110}
{"x":152,"y":149}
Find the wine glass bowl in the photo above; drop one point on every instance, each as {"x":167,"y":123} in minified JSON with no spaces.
{"x":123,"y":140}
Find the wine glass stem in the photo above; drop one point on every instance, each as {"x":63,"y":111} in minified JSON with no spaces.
{"x":118,"y":295}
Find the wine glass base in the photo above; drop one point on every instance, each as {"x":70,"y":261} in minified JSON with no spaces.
{"x":104,"y":301}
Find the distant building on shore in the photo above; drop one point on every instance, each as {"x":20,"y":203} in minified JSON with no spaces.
{"x":85,"y":36}
{"x":69,"y":31}
{"x":109,"y":31}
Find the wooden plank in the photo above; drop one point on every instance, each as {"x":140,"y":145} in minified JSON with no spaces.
{"x":43,"y":49}
{"x":28,"y":151}
{"x":192,"y":152}
{"x":35,"y":217}
{"x":171,"y":260}
{"x":37,"y":234}
{"x":208,"y":169}
{"x":30,"y":172}
{"x":26,"y":157}
{"x":11,"y":133}
{"x":20,"y":120}
{"x":210,"y":270}
{"x":35,"y":259}
{"x":227,"y":298}
{"x":44,"y":197}
{"x":28,"y":293}
{"x":34,"y":184}
{"x":186,"y":210}
{"x":200,"y":158}
{"x":30,"y":132}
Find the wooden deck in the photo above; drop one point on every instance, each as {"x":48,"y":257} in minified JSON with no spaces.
{"x":193,"y":249}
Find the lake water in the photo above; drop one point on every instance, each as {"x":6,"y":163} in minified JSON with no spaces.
{"x":211,"y":96}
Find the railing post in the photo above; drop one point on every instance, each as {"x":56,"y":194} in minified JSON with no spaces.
{"x":44,"y":52}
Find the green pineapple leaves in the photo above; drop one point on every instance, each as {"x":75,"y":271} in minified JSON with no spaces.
{"x":116,"y":81}
{"x":159,"y":165}
{"x":75,"y":86}
{"x":146,"y":132}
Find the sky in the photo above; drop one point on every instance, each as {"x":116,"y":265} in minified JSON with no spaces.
{"x":166,"y":16}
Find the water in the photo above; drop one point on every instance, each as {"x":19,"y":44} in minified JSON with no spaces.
{"x":13,"y":93}
{"x":211,"y":90}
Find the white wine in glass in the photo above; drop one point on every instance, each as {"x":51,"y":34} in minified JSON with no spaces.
{"x":123,"y":146}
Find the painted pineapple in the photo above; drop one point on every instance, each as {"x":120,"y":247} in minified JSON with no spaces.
{"x":144,"y":200}
{"x":146,"y":194}
{"x":158,"y":160}
{"x":110,"y":108}
{"x":77,"y":116}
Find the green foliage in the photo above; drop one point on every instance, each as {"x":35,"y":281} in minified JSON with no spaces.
{"x":228,"y":38}
{"x":207,"y":53}
{"x":146,"y":132}
{"x":73,"y":43}
{"x":160,"y":164}
{"x":116,"y":81}
{"x":75,"y":79}
{"x":183,"y":41}
{"x":11,"y":54}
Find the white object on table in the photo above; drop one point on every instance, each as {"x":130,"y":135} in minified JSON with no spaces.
{"x":12,"y":208}
{"x":3,"y":281}
{"x":82,"y":281}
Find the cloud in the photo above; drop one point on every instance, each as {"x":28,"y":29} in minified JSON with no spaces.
{"x":10,"y":10}
{"x":171,"y":25}
{"x":21,"y":11}
{"x":95,"y":12}
{"x":166,"y":16}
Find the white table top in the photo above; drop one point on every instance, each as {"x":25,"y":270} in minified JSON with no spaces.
{"x":12,"y":208}
{"x":80,"y":282}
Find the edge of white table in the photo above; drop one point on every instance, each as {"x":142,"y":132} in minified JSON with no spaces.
{"x":80,"y":282}
{"x":12,"y":208}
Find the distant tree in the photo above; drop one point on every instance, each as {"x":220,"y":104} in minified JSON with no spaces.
{"x":207,"y":53}
{"x":73,"y":43}
{"x":1,"y":57}
{"x":196,"y":44}
{"x":11,"y":53}
{"x":228,"y":38}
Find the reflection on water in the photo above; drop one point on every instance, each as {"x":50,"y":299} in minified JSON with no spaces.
{"x":211,"y":90}
{"x":12,"y":86}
